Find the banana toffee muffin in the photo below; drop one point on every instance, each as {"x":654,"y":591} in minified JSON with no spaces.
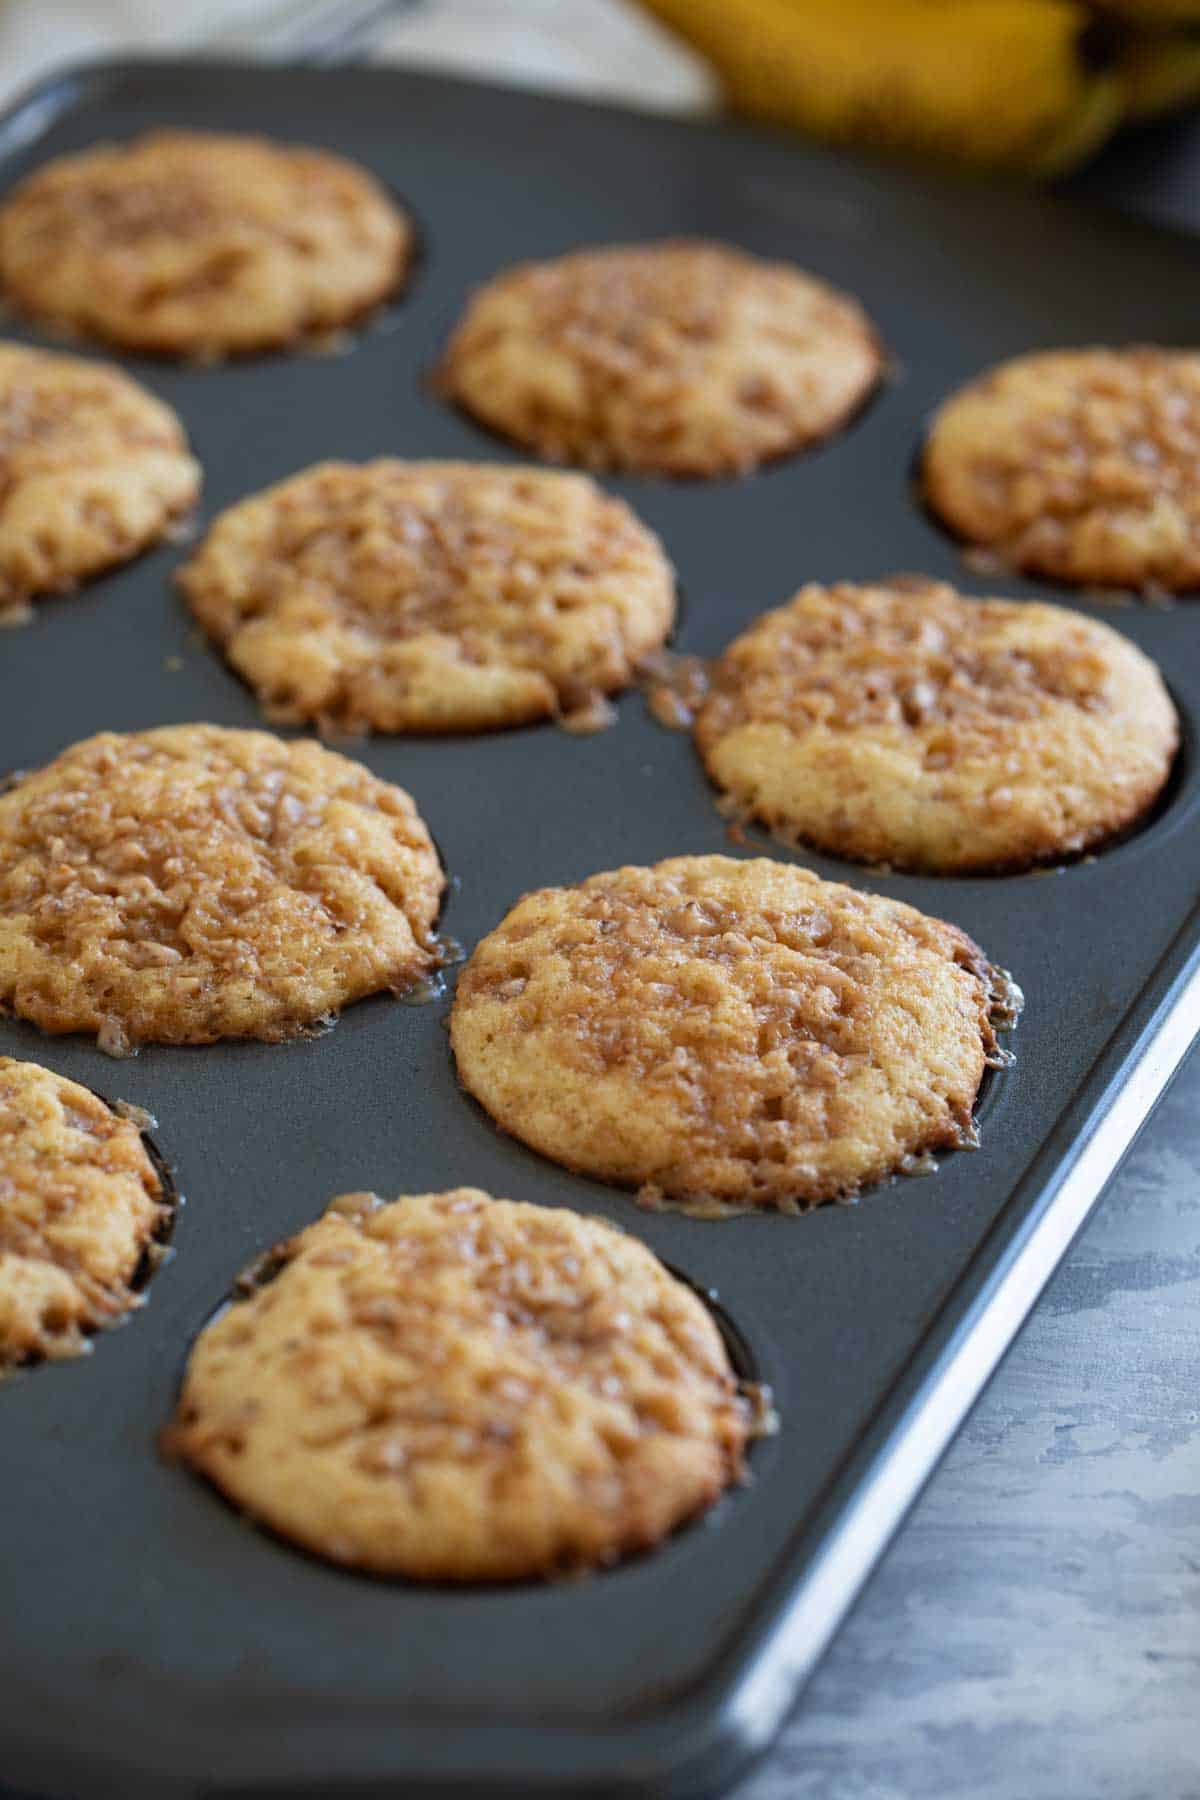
{"x":455,"y":1388}
{"x":431,"y":596}
{"x":93,"y":469}
{"x":728,"y":1034}
{"x":897,"y":722}
{"x":193,"y":883}
{"x":674,"y":358}
{"x":192,"y":243}
{"x":1077,"y":464}
{"x":81,"y":1208}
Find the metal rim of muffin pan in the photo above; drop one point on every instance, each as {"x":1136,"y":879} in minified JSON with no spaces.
{"x":158,"y":1645}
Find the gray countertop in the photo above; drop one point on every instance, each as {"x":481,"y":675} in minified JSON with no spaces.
{"x":1033,"y":1633}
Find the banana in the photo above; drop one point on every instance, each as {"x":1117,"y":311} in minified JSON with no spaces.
{"x":1154,"y":12}
{"x":1160,"y":73}
{"x":1007,"y":83}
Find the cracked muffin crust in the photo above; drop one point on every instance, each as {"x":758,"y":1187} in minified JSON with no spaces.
{"x":193,"y":883}
{"x":1077,"y":464}
{"x":81,"y":1205}
{"x":93,"y":469}
{"x":435,"y":596}
{"x":727,"y":1034}
{"x":192,"y":243}
{"x":456,"y":1388}
{"x":900,"y":723}
{"x":676,"y":358}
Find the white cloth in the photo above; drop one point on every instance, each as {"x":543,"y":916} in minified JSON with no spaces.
{"x":604,"y":48}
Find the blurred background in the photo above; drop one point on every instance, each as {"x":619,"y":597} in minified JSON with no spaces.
{"x":1038,"y":86}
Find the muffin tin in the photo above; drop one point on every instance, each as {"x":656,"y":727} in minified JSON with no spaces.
{"x":153,"y":1643}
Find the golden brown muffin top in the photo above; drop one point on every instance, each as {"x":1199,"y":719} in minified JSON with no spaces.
{"x":1077,"y":464}
{"x":92,"y":469}
{"x":201,"y":243}
{"x":431,"y":596}
{"x":711,"y":1029}
{"x":898,"y":721}
{"x":452,"y":1387}
{"x":192,"y":882}
{"x":81,"y":1204}
{"x":678,"y":357}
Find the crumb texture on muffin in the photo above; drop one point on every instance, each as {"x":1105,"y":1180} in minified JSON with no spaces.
{"x":451,"y":1387}
{"x":676,"y":358}
{"x":900,"y":723}
{"x":739,"y":1033}
{"x":195,"y":243}
{"x":93,"y":469}
{"x":1077,"y":464}
{"x":431,"y":596}
{"x":81,"y":1204}
{"x":193,"y":883}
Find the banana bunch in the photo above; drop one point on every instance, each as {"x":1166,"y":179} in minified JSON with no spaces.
{"x":1035,"y":85}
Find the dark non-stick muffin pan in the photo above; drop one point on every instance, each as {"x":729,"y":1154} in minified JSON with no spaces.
{"x":151,"y":1642}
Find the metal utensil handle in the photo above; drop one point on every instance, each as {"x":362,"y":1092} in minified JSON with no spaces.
{"x":311,"y":31}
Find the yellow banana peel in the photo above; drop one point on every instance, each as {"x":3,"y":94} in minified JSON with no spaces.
{"x":1153,"y":12}
{"x":1161,"y":74}
{"x":1034,"y":85}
